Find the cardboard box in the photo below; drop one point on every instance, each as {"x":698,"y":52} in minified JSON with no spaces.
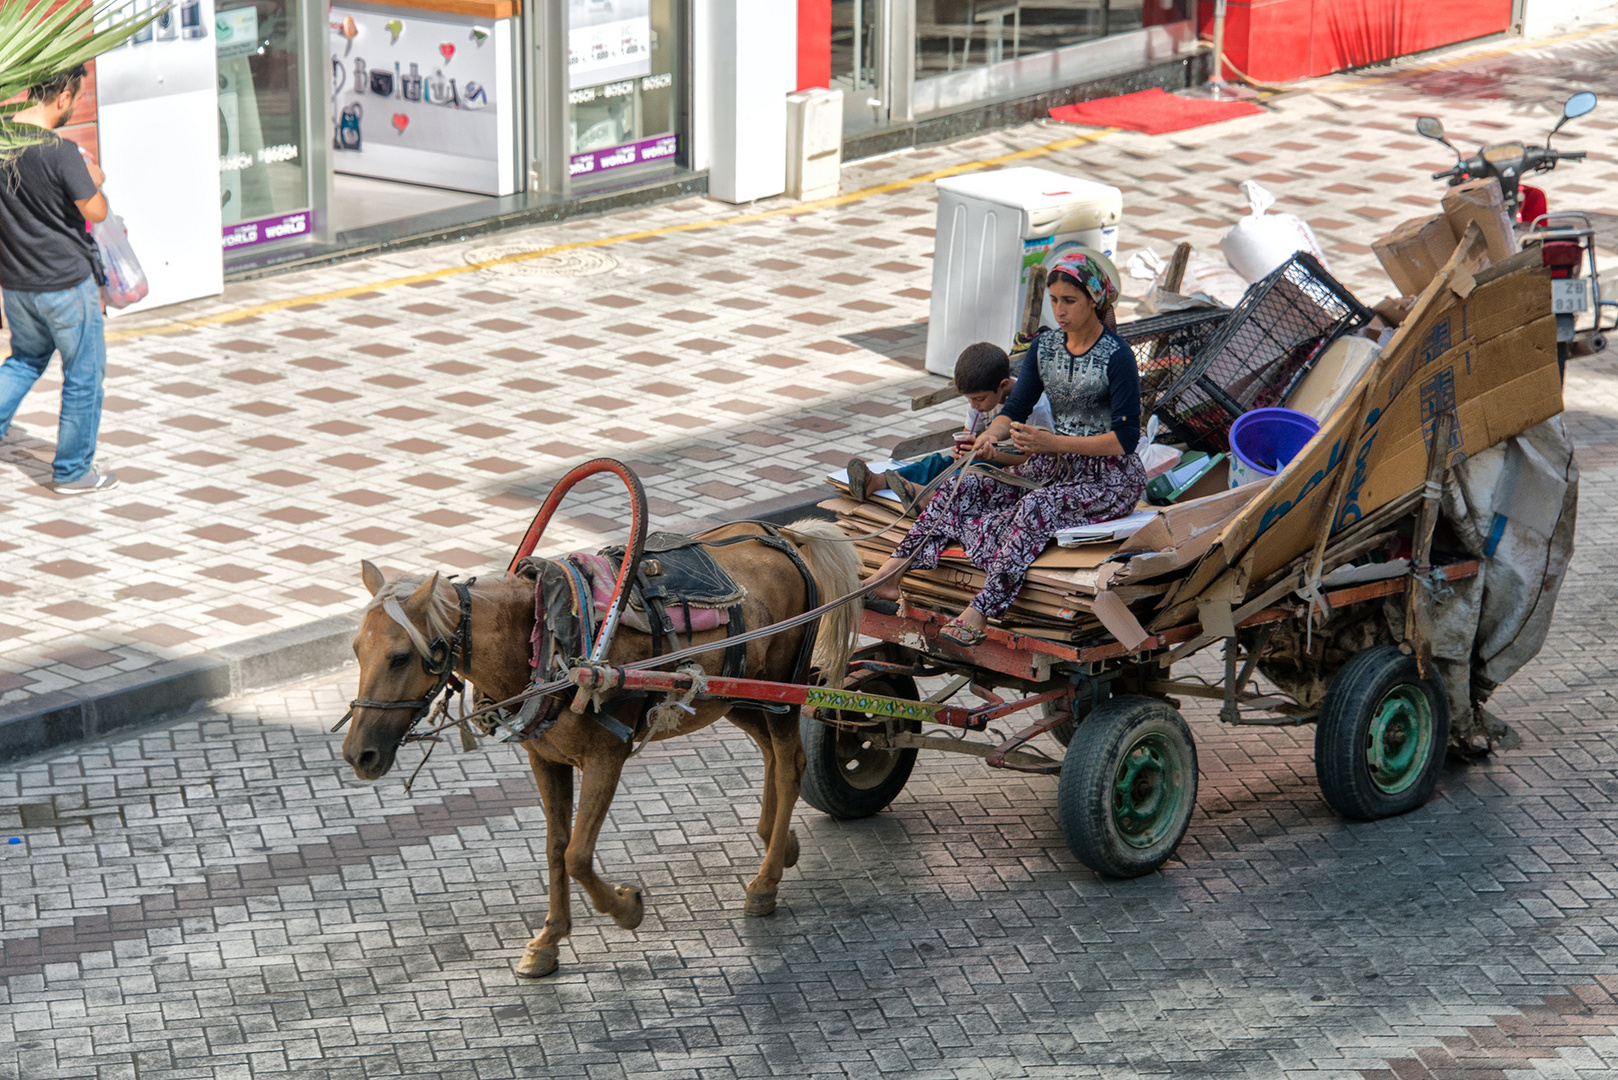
{"x":1488,"y":351}
{"x":1413,"y":253}
{"x":1481,"y":201}
{"x":1179,"y":534}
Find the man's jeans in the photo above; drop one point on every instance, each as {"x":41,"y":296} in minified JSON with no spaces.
{"x":41,"y":323}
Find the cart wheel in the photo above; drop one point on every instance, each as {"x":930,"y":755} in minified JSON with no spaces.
{"x":1128,"y":786}
{"x":1383,"y":730}
{"x":845,"y":776}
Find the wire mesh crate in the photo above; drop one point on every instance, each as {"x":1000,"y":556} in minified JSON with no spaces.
{"x":1166,"y":345}
{"x":1260,"y":352}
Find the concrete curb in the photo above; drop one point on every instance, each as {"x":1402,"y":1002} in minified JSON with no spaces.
{"x":121,"y":703}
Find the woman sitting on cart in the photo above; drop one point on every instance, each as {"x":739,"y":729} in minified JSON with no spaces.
{"x":1087,"y":467}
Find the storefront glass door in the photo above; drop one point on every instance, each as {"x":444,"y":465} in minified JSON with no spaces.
{"x":263,"y":160}
{"x":622,"y":69}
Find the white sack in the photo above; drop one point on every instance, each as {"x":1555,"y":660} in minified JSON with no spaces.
{"x":1260,"y":242}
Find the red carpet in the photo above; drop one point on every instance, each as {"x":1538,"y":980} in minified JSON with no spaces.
{"x":1153,"y":112}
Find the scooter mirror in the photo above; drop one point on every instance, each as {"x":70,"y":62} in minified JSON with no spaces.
{"x":1431,"y":127}
{"x":1578,"y":105}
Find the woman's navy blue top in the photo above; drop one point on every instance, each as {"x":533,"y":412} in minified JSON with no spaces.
{"x":1091,"y":394}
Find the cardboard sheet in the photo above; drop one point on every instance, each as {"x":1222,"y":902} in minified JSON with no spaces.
{"x":1487,"y":351}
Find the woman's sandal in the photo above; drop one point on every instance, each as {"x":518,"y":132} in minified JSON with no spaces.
{"x":964,"y":634}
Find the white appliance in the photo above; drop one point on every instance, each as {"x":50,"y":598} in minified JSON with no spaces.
{"x":992,"y":228}
{"x":157,"y":98}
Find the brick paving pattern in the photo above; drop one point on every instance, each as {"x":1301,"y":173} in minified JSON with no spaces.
{"x":419,"y":425}
{"x":219,"y":897}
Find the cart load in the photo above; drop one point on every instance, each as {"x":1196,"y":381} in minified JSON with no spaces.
{"x":1385,"y":580}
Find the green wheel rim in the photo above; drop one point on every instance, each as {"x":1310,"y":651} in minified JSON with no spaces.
{"x":1147,"y":790}
{"x":1400,"y":739}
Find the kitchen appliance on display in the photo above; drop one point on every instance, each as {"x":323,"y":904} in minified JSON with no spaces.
{"x":992,"y":229}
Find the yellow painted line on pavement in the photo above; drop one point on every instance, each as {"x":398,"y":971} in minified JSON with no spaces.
{"x":237,"y":314}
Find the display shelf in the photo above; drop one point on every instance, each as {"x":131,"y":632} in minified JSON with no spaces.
{"x":477,"y":9}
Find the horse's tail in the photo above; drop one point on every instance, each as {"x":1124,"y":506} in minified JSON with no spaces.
{"x":836,"y":567}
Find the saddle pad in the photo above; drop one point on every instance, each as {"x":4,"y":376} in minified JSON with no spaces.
{"x":602,"y":573}
{"x":686,"y":573}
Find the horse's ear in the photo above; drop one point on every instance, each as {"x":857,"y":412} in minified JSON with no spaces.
{"x":371,"y":576}
{"x":424,"y":592}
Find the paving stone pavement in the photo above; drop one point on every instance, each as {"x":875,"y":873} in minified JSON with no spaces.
{"x":218,"y":897}
{"x":420,"y":424}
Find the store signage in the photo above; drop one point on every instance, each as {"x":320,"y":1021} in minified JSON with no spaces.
{"x":265,"y":230}
{"x":616,"y":157}
{"x":608,"y":40}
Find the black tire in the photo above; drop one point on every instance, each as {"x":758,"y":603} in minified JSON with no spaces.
{"x":844,"y":776}
{"x":1128,"y":786}
{"x":1382,"y":734}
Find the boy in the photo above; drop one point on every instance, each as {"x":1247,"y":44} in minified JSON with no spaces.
{"x":983,"y":376}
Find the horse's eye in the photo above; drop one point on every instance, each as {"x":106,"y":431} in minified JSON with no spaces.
{"x":398,"y":660}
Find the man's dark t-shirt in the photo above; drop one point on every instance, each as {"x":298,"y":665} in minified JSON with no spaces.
{"x":44,"y":246}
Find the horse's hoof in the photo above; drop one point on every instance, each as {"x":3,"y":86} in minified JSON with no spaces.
{"x":760,"y":903}
{"x":792,"y":849}
{"x":537,"y":963}
{"x":637,"y":909}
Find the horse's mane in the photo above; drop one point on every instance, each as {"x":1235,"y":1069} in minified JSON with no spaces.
{"x":443,"y":607}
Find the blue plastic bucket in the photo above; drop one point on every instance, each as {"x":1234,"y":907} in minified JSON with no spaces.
{"x":1264,"y":440}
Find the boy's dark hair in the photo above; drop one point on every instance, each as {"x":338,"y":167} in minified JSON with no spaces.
{"x":58,"y":83}
{"x":981,"y":368}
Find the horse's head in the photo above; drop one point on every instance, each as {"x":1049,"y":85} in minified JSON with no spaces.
{"x":402,"y":652}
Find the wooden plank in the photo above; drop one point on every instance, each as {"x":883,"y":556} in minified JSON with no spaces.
{"x":926,"y":399}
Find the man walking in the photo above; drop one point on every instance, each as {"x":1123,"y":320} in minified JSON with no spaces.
{"x":50,"y":271}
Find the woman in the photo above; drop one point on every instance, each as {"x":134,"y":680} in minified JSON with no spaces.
{"x":1087,"y":467}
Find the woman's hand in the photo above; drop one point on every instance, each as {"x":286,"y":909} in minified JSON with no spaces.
{"x":1034,"y":440}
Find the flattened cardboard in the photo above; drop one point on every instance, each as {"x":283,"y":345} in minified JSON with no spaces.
{"x":1499,"y":386}
{"x":1177,"y":537}
{"x":1413,"y":253}
{"x":1481,"y":201}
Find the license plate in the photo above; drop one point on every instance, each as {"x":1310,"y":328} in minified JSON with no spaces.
{"x":1569,"y":296}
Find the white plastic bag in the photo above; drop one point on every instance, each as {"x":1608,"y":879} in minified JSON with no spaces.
{"x":126,"y":281}
{"x":1154,"y":457}
{"x":1260,"y":242}
{"x":1206,"y":283}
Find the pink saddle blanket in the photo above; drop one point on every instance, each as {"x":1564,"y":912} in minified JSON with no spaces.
{"x":602,"y":572}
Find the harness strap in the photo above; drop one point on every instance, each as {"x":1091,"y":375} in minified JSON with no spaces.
{"x":735,"y":666}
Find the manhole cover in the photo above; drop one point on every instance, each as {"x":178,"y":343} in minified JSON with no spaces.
{"x":579,"y":262}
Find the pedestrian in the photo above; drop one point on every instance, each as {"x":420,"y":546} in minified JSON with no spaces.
{"x":50,"y":273}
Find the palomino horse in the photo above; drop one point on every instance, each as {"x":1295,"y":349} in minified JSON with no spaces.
{"x":409,"y":619}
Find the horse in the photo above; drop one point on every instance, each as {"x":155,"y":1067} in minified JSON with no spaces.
{"x":404,"y":647}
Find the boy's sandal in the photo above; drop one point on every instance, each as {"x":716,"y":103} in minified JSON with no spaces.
{"x":962,"y":633}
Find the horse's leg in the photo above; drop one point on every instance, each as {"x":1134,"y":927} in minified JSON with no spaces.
{"x":600,"y":781}
{"x":786,"y":749}
{"x":555,"y":782}
{"x":757,"y":726}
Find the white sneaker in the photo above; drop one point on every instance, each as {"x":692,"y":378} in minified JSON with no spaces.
{"x":90,"y":481}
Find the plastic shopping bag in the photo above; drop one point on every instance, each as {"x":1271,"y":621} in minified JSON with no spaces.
{"x":1207,"y":283}
{"x":126,"y":281}
{"x":1260,"y":242}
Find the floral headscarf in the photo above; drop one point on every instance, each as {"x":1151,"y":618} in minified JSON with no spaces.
{"x":1091,"y":277}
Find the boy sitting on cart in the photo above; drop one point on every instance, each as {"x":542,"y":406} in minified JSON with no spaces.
{"x":983,"y":377}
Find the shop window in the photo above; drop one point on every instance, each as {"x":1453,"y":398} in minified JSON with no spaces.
{"x":262,"y":167}
{"x":952,"y":35}
{"x":621,"y":85}
{"x":855,"y":45}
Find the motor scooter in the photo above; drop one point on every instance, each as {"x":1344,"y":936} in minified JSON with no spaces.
{"x":1566,"y":238}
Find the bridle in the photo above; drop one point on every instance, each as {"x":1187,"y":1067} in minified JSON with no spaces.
{"x":442,"y":658}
